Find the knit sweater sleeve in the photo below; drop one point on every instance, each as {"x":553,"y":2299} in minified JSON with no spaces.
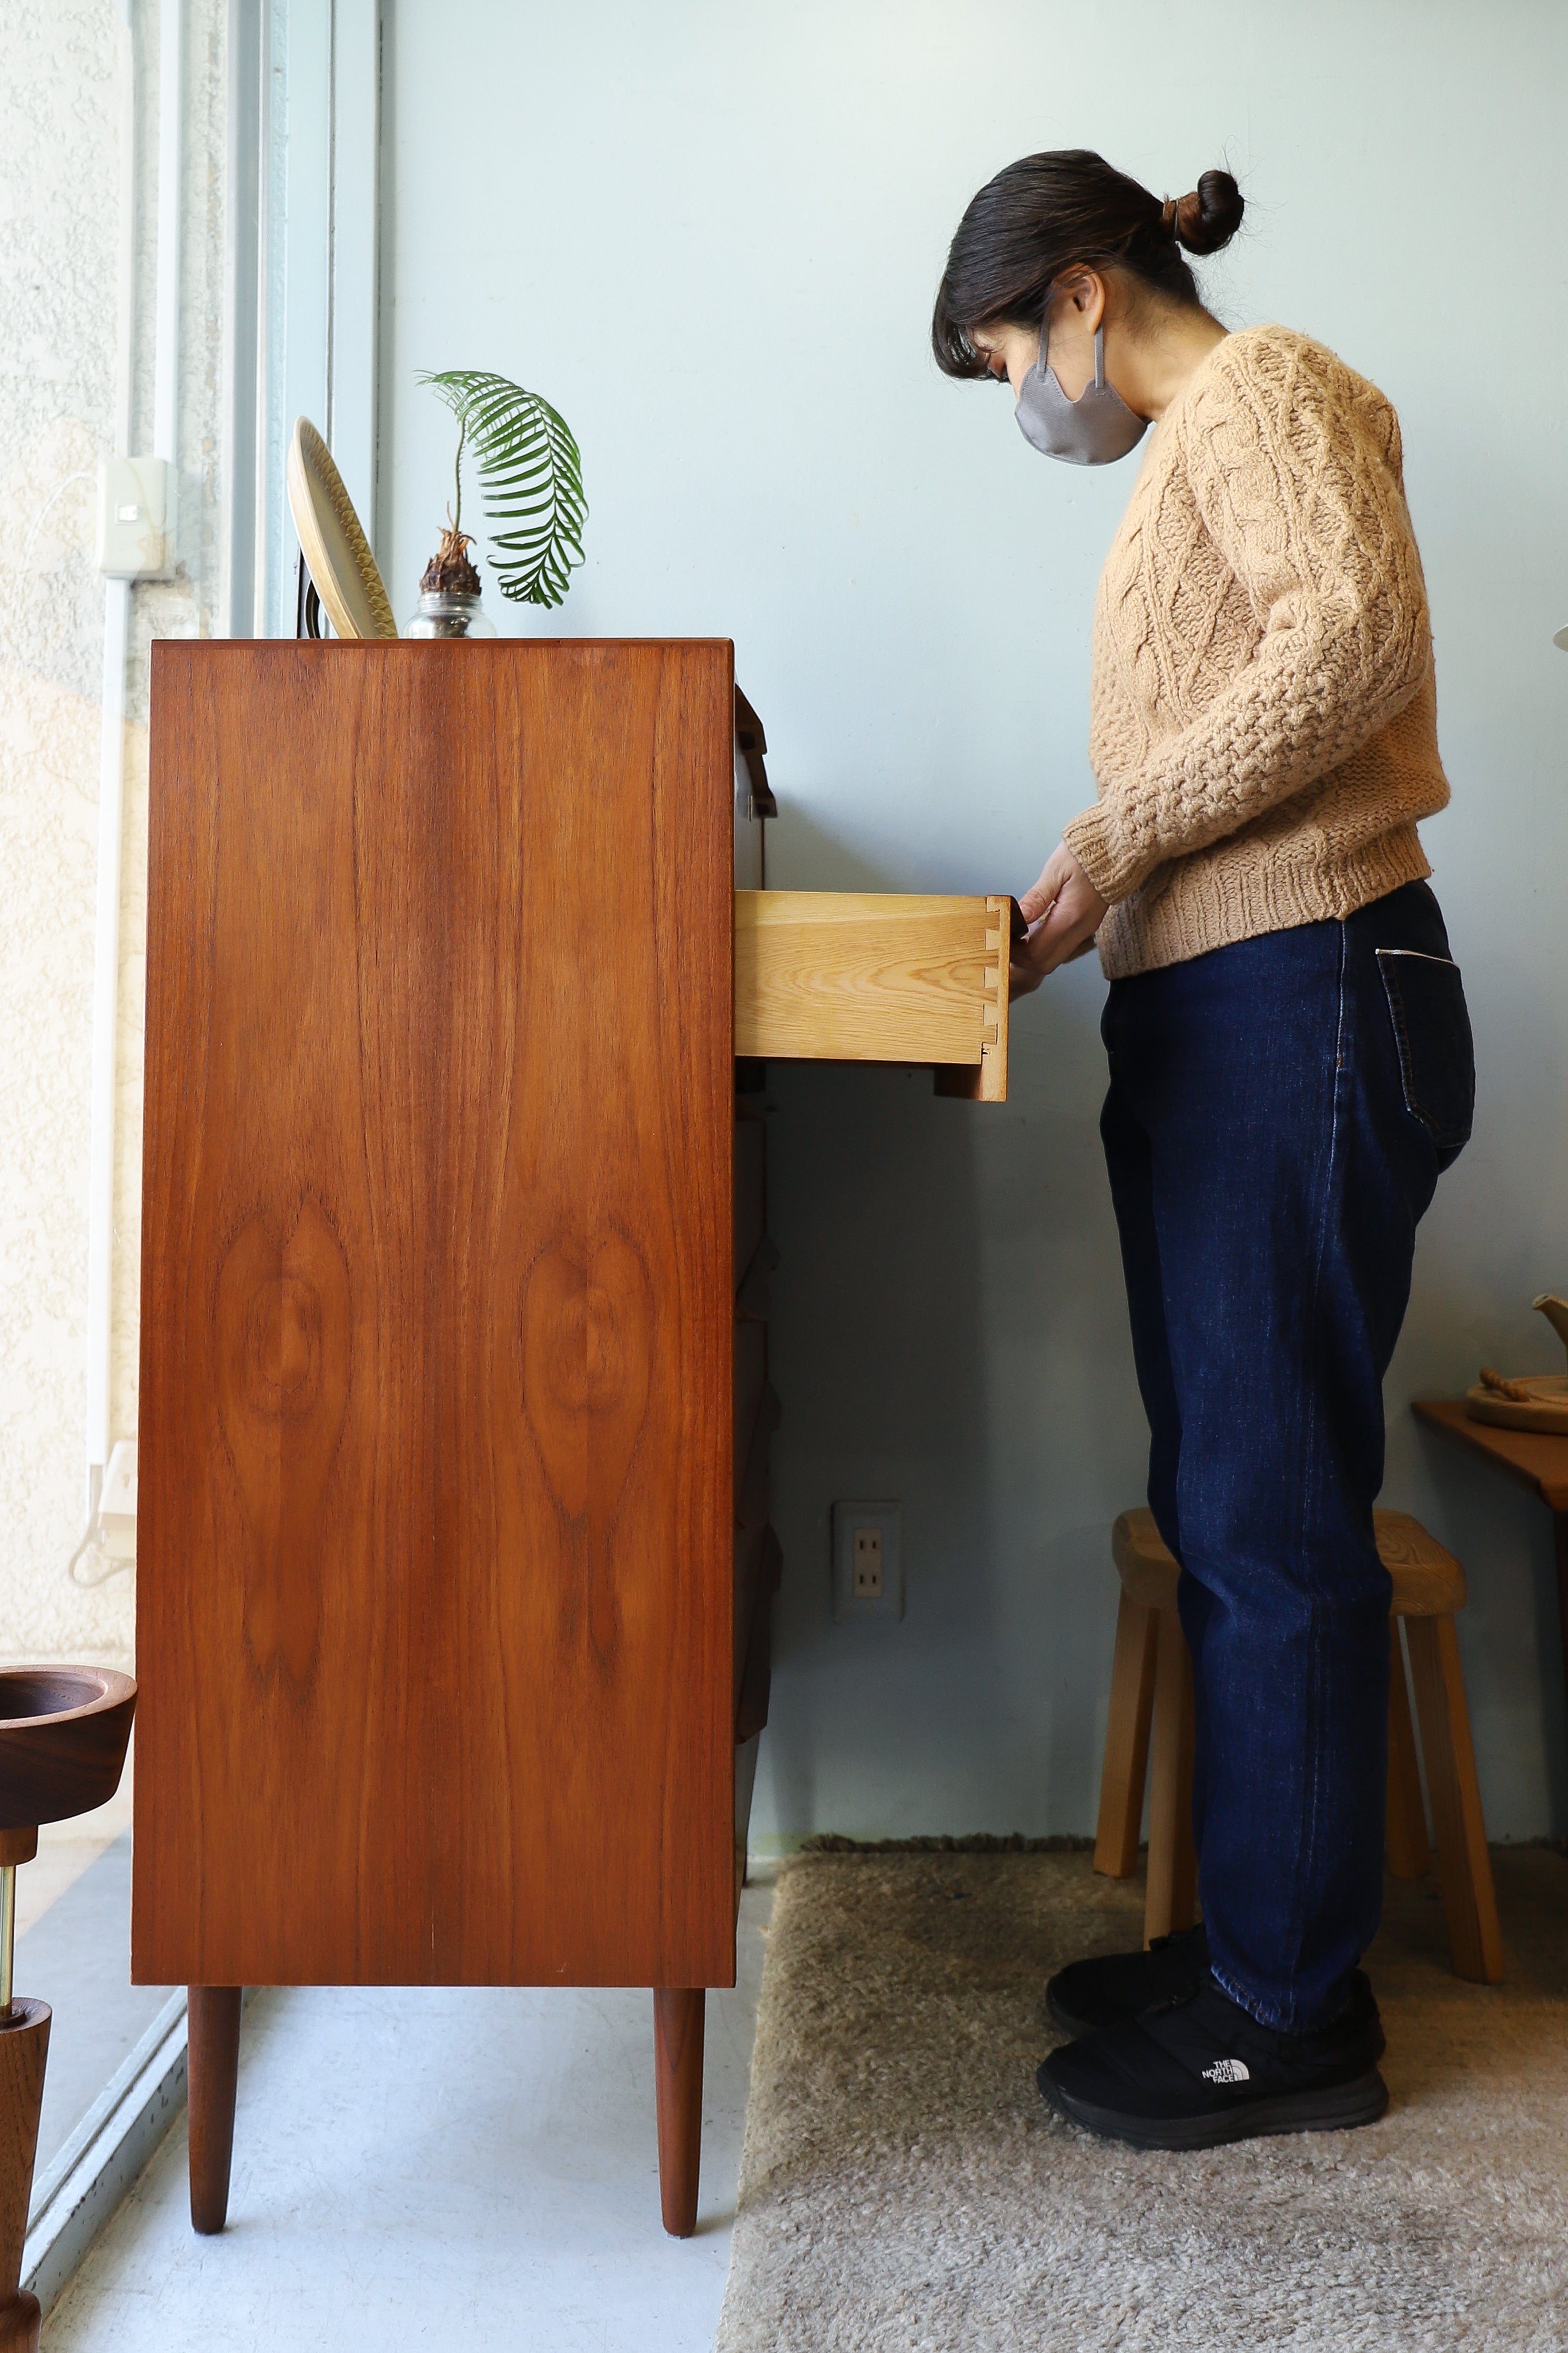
{"x":1296,"y":478}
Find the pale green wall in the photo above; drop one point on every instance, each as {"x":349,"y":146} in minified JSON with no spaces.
{"x":711,"y":233}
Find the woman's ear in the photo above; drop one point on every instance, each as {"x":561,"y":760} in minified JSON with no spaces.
{"x":1085,"y":290}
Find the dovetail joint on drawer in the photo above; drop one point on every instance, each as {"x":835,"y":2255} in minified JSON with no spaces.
{"x":843,"y":976}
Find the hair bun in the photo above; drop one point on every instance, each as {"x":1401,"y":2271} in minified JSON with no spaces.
{"x":1211,"y":215}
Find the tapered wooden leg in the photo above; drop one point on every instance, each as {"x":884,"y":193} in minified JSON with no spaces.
{"x":1409,"y":1855}
{"x":678,"y":2070}
{"x":212,"y":2022}
{"x":1126,"y":1766}
{"x":1170,"y":1897}
{"x":1464,"y":1866}
{"x":24,"y":2050}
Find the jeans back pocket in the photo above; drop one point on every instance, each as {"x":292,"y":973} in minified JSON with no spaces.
{"x":1436,"y":1052}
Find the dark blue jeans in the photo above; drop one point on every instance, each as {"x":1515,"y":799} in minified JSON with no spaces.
{"x":1278,"y":1114}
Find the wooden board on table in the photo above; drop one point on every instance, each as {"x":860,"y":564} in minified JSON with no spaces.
{"x":1542,"y":1404}
{"x":436,"y":1557}
{"x":848,"y":976}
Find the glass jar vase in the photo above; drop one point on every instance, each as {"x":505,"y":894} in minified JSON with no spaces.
{"x":442,"y":615}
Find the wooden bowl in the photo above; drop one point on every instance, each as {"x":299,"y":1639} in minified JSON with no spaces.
{"x":63,"y":1736}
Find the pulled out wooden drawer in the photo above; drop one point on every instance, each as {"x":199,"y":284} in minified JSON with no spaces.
{"x":857,"y":977}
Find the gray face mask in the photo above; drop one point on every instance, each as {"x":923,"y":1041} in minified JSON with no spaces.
{"x":1092,"y":430}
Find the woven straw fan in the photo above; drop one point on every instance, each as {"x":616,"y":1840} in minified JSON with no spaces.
{"x":334,"y":544}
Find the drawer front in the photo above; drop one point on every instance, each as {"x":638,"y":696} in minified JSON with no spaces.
{"x":845,"y":975}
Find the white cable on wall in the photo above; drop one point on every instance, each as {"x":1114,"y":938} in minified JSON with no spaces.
{"x":166,"y":325}
{"x":105,"y":1028}
{"x":116,"y":646}
{"x":111,"y":821}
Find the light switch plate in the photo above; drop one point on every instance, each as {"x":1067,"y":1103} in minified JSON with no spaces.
{"x":878,"y":1525}
{"x":117,"y":1502}
{"x":135,"y":518}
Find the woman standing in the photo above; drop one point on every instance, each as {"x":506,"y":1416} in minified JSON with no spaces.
{"x":1290,"y":1069}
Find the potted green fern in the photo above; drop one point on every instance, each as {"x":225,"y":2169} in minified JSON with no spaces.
{"x":530,"y":472}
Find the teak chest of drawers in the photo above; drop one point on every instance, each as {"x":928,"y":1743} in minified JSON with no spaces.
{"x":453,"y":1558}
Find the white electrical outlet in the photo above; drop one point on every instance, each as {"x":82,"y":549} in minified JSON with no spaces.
{"x":117,"y":1502}
{"x":136,"y":517}
{"x":867,"y":1560}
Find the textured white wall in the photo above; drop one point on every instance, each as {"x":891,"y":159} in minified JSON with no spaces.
{"x":712,"y":235}
{"x":59,"y":182}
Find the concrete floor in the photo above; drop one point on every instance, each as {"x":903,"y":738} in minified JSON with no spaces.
{"x":469,"y":2169}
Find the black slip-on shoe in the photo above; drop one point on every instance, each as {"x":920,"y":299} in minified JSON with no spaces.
{"x":1199,"y":2071}
{"x":1114,"y":1987}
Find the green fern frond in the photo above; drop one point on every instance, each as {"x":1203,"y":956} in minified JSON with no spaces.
{"x":532,"y":474}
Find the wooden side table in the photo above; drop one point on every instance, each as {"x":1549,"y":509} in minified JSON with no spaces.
{"x":1528,"y":1457}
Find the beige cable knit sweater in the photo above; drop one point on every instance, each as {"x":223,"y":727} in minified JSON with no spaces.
{"x":1264,"y":727}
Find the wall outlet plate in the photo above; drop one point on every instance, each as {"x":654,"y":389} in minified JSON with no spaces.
{"x":135,"y":518}
{"x":117,"y":1502}
{"x":867,"y":1560}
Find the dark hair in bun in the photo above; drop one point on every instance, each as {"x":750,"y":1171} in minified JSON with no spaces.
{"x":1048,"y":212}
{"x":1211,"y":215}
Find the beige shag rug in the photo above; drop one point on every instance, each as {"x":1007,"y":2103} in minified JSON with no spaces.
{"x":904,"y":2185}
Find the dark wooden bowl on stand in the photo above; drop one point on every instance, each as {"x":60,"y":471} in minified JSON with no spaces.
{"x":63,"y":1737}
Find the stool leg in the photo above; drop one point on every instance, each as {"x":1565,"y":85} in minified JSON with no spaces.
{"x":1409,"y":1856}
{"x":1126,"y":1766}
{"x":1170,"y":1901}
{"x":1464,"y":1866}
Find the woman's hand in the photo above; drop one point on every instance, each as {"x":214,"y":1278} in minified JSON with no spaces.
{"x":1063,"y":911}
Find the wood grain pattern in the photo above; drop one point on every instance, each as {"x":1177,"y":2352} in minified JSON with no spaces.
{"x":20,"y":2322}
{"x":987,"y":1082}
{"x":1428,"y":1582}
{"x":435,"y":1561}
{"x":1464,"y":1865}
{"x":1531,"y":1460}
{"x":857,"y":977}
{"x":24,"y":2054}
{"x":64,"y":1732}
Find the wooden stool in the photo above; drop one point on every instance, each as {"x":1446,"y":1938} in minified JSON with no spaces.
{"x":1151,"y":1721}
